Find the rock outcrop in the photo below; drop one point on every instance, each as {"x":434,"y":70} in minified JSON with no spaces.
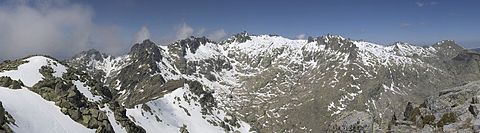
{"x":5,"y":120}
{"x":450,"y":110}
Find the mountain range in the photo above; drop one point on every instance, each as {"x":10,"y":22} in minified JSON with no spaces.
{"x":246,"y":83}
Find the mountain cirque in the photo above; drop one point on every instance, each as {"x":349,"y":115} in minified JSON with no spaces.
{"x":265,"y":83}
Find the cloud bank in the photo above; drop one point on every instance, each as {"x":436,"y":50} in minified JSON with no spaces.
{"x":56,"y":28}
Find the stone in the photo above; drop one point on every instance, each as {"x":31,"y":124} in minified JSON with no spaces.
{"x":86,"y":119}
{"x":84,"y":111}
{"x":474,"y":110}
{"x":64,"y":110}
{"x":16,"y":85}
{"x":476,"y":125}
{"x":71,"y":94}
{"x":5,"y":81}
{"x":94,"y":112}
{"x":74,"y":114}
{"x":93,"y":123}
{"x":102,"y":116}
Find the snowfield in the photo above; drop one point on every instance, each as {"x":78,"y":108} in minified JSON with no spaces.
{"x":28,"y":73}
{"x":33,"y":114}
{"x":172,"y":115}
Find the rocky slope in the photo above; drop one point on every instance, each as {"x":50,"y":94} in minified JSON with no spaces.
{"x":248,"y":83}
{"x":451,"y":110}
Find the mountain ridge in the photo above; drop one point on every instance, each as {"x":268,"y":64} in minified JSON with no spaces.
{"x":268,"y":83}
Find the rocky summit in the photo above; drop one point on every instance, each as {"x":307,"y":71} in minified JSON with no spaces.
{"x":247,"y":83}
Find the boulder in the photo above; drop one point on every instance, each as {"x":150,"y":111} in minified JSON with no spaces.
{"x":93,"y":123}
{"x":71,"y":93}
{"x":86,"y":119}
{"x":16,"y":85}
{"x":476,"y":125}
{"x":60,"y":88}
{"x":84,"y":111}
{"x":74,"y":114}
{"x":474,"y":109}
{"x":5,"y":81}
{"x":94,"y":112}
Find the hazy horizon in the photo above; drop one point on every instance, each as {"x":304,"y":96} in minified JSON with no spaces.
{"x":62,"y":28}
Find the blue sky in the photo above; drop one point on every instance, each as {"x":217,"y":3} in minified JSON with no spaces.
{"x":64,"y":27}
{"x":382,"y":21}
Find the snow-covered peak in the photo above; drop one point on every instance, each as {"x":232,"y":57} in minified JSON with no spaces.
{"x":29,"y":73}
{"x":328,"y":38}
{"x":399,"y":53}
{"x":142,"y":35}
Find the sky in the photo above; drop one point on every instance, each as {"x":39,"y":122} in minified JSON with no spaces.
{"x":62,"y":28}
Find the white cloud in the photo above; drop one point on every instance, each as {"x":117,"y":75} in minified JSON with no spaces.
{"x":301,"y":36}
{"x":184,"y":31}
{"x":422,"y":4}
{"x":217,"y":35}
{"x":60,"y":29}
{"x":142,"y":35}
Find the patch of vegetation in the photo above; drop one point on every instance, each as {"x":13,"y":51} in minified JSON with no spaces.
{"x":428,"y":120}
{"x":446,"y":119}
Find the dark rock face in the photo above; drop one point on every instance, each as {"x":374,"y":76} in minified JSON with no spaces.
{"x":4,"y":120}
{"x":142,"y":73}
{"x":145,"y":52}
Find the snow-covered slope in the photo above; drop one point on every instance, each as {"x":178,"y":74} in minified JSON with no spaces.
{"x":173,"y":111}
{"x":28,"y":72}
{"x":32,"y":113}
